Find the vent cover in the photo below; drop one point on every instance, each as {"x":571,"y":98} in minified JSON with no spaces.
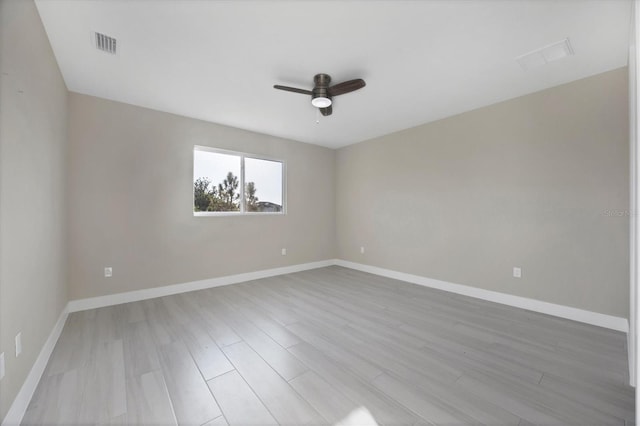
{"x":105,"y":43}
{"x":544,"y":55}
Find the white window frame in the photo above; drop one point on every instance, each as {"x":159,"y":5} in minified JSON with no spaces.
{"x":242,"y":156}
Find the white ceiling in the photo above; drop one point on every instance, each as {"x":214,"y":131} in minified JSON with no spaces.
{"x":422,"y":60}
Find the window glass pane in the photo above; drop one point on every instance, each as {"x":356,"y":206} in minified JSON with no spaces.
{"x":216,"y":182}
{"x":263,"y":185}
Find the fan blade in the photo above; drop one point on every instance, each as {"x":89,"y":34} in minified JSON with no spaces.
{"x":346,"y":87}
{"x":293,"y":89}
{"x":327,"y":111}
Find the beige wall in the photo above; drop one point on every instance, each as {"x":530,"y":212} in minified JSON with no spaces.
{"x":131,"y":198}
{"x":527,"y":182}
{"x":33,"y":147}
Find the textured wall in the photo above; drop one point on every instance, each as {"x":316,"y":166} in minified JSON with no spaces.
{"x":131,"y":201}
{"x":539,"y":182}
{"x":33,"y":148}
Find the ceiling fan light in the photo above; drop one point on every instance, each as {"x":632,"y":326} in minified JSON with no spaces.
{"x":321,"y":102}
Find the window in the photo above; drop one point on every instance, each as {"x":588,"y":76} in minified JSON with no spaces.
{"x":226,"y":182}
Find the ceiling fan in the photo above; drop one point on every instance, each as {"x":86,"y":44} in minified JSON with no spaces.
{"x":322,"y":93}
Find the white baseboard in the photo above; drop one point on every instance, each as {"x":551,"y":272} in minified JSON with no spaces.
{"x":562,"y":311}
{"x":150,"y":293}
{"x":19,"y":406}
{"x":632,"y":360}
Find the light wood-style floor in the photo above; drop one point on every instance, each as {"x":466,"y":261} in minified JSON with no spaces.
{"x":311,"y":347}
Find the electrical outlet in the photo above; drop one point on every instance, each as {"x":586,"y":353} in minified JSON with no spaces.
{"x":108,"y":272}
{"x":517,"y":272}
{"x":284,"y":251}
{"x":361,"y":250}
{"x":18,"y":344}
{"x":1,"y":365}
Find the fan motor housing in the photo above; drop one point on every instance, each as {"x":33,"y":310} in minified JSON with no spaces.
{"x":322,"y":80}
{"x":321,"y":83}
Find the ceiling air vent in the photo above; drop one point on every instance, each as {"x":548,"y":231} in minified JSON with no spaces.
{"x":105,"y":43}
{"x":544,"y":55}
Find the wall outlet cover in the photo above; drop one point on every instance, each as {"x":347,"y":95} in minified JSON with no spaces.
{"x":108,"y":272}
{"x":284,"y":251}
{"x":517,"y":272}
{"x":18,"y":344}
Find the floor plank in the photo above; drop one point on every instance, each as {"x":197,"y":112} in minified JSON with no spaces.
{"x":192,"y":401}
{"x":332,"y":404}
{"x":284,"y":403}
{"x":385,"y":410}
{"x":148,"y":400}
{"x":239,"y":404}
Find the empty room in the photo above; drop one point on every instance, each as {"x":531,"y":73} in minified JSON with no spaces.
{"x":319,"y":212}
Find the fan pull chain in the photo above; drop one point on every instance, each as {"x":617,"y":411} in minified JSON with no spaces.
{"x":317,"y":115}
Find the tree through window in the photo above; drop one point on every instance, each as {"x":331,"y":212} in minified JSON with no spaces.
{"x":226,"y":182}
